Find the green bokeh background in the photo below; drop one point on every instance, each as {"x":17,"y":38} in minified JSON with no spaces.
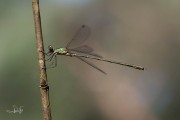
{"x":145,"y":33}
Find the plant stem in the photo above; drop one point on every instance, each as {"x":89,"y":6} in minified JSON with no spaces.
{"x":44,"y":88}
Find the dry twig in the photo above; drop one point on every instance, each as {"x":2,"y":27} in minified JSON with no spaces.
{"x":44,"y":89}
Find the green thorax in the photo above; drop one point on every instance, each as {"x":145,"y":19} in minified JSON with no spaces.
{"x":61,"y":50}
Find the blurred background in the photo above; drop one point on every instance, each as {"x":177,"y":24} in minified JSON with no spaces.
{"x":144,"y":33}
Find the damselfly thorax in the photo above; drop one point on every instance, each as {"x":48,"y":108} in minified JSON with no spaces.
{"x":63,"y":51}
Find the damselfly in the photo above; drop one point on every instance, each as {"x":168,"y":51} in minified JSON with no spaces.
{"x":81,"y":52}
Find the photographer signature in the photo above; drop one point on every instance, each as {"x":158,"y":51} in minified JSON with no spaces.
{"x":16,"y":109}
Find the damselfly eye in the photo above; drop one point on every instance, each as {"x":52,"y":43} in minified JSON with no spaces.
{"x":50,"y":48}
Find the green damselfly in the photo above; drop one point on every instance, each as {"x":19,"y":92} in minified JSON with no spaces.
{"x":81,"y":52}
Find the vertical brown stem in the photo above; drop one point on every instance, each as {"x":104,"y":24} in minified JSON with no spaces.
{"x":44,"y":89}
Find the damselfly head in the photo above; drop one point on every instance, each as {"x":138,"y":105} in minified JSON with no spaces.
{"x":51,"y":49}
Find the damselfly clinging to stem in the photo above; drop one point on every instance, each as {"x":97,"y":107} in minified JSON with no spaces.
{"x":81,"y":52}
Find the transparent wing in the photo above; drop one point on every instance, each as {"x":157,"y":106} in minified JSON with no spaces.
{"x":81,"y":35}
{"x":92,"y":65}
{"x":85,"y":49}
